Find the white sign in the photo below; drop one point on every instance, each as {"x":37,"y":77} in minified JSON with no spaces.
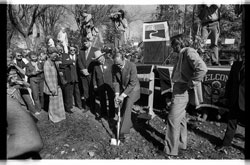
{"x":158,"y":31}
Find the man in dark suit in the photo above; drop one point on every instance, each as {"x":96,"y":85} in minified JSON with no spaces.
{"x":102,"y":81}
{"x":85,"y":65}
{"x":127,"y":90}
{"x":235,"y":99}
{"x":71,"y":88}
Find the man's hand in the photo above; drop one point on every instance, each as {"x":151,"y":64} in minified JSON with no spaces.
{"x":120,"y":98}
{"x":95,"y":87}
{"x":116,"y":100}
{"x":192,"y":84}
{"x":53,"y":92}
{"x":85,"y":72}
{"x":61,"y":73}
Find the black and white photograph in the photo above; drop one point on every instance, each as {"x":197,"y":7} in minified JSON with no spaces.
{"x":117,"y":81}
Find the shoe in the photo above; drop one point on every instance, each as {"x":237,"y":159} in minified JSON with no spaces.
{"x":167,"y":156}
{"x":215,"y":64}
{"x":221,"y":148}
{"x":69,"y":111}
{"x":123,"y":137}
{"x":84,"y":110}
{"x":37,"y":113}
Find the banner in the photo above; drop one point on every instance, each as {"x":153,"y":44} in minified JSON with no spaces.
{"x":213,"y":87}
{"x":155,"y":31}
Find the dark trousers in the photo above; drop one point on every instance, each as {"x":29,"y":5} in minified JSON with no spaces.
{"x":105,"y":93}
{"x":235,"y":116}
{"x":88,"y":91}
{"x":37,"y":93}
{"x":27,"y":100}
{"x":212,"y":31}
{"x":85,"y":82}
{"x":126,"y":109}
{"x":71,"y":90}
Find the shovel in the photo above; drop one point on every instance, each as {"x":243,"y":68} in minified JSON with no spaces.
{"x":116,"y":141}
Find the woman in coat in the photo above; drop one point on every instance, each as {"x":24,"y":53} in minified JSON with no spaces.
{"x":52,"y":90}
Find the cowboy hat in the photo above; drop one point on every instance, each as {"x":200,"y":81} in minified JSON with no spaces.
{"x":98,"y":54}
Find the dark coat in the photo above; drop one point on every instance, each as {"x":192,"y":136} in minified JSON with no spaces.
{"x":235,"y":86}
{"x":126,"y":81}
{"x":69,"y":68}
{"x":103,"y":77}
{"x":84,"y":63}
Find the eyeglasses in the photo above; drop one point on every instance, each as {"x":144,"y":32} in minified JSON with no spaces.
{"x":72,"y":49}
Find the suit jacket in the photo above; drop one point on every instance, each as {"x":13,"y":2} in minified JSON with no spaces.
{"x":51,"y":79}
{"x":84,"y":63}
{"x":69,"y":68}
{"x":30,"y":68}
{"x":126,"y":80}
{"x":235,"y":86}
{"x":104,"y":76}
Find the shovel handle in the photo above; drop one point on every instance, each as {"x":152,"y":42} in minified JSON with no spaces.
{"x":118,"y":122}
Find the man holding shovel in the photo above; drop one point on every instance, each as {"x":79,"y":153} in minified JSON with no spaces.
{"x":127,"y":91}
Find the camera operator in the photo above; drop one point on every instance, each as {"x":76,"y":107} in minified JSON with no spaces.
{"x":121,"y":24}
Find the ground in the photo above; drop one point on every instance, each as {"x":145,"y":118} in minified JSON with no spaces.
{"x":82,"y":136}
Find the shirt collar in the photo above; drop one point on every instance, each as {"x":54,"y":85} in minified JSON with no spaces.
{"x":123,"y":64}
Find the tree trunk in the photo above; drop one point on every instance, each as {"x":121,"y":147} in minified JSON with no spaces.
{"x":28,"y":41}
{"x":9,"y":39}
{"x":185,"y":12}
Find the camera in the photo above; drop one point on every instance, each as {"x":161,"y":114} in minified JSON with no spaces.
{"x":106,"y":50}
{"x":115,"y":16}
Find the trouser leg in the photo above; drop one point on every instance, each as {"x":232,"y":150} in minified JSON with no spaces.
{"x":68,"y":93}
{"x":77,"y":96}
{"x":126,"y":122}
{"x":35,"y":94}
{"x":27,"y":99}
{"x":214,"y":36}
{"x":176,"y":130}
{"x":231,"y":127}
{"x":111,"y":97}
{"x":103,"y":100}
{"x":41,"y":95}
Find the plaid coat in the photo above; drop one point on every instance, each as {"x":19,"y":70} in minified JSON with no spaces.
{"x":50,"y":74}
{"x":56,"y":107}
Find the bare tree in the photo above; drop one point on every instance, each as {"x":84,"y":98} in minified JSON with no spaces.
{"x":23,"y":18}
{"x":50,"y":19}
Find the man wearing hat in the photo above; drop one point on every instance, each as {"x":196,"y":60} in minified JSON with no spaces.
{"x":85,"y":64}
{"x":102,"y":82}
{"x":71,"y":88}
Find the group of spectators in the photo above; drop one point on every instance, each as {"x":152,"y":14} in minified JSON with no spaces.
{"x":54,"y":80}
